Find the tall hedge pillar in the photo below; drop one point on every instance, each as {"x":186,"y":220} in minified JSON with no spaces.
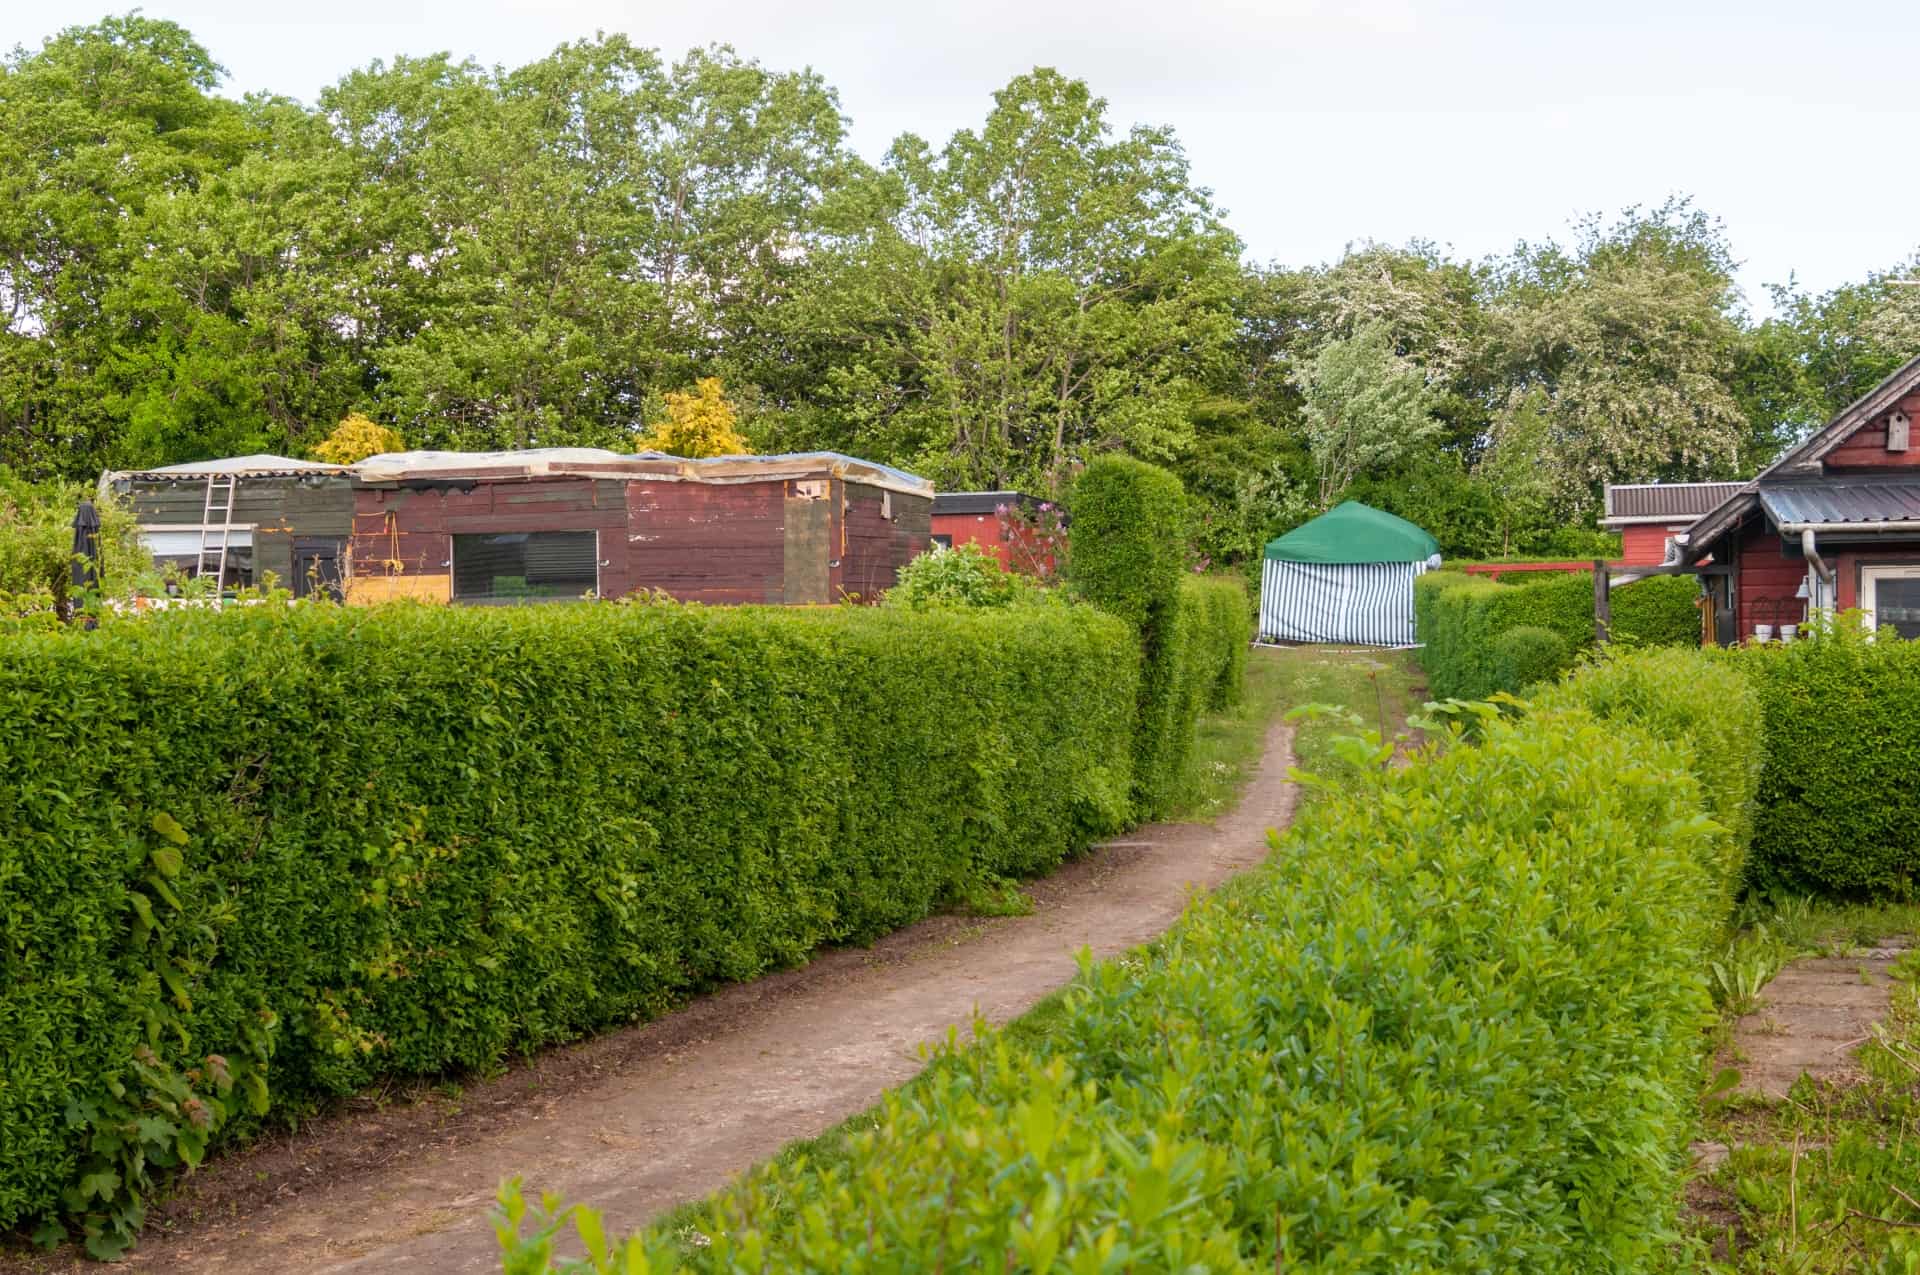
{"x":1129,"y":523}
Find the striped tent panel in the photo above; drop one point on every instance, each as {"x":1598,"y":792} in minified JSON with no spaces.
{"x":1364,"y":604}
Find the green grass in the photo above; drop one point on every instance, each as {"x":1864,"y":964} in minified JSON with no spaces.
{"x":1377,"y":686}
{"x":1829,"y":1180}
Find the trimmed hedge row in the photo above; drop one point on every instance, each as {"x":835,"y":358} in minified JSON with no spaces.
{"x":1700,"y":704}
{"x":1839,"y":809}
{"x":1460,"y":619}
{"x":405,"y":840}
{"x":1128,"y":534}
{"x":1454,"y":1024}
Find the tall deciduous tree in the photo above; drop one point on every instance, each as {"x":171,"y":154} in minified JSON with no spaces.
{"x":1363,"y":407}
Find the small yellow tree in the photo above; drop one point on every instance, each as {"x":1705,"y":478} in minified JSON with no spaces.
{"x":356,"y":438}
{"x":698,"y":424}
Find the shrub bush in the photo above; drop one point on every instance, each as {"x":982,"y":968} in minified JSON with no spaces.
{"x":1459,"y":618}
{"x":964,"y":576}
{"x":1839,"y":812}
{"x":1529,"y":655}
{"x":1127,"y":541}
{"x":408,"y":839}
{"x":1127,"y":538}
{"x":1454,"y":1024}
{"x":1700,"y":703}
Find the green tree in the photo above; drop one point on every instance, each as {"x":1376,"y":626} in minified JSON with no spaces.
{"x":1634,"y":339}
{"x":1363,"y":407}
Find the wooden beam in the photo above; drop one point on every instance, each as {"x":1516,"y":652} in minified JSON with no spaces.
{"x":1602,"y":602}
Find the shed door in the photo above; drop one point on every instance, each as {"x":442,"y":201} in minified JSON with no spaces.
{"x":316,"y":567}
{"x":1891,"y":598}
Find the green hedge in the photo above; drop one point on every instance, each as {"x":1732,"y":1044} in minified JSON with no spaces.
{"x":1128,"y":543}
{"x":1197,"y":661}
{"x":1459,"y":618}
{"x":1839,"y":809}
{"x":1454,"y":1024}
{"x":1700,"y":703}
{"x":1127,"y":538}
{"x":408,"y":839}
{"x":1529,"y":655}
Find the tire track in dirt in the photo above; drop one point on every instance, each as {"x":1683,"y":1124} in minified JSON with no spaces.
{"x":640,"y":1120}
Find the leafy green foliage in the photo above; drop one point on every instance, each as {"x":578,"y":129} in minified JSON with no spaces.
{"x":965,"y":575}
{"x":1696,"y":702}
{"x":1528,"y":655}
{"x":1129,"y":525}
{"x":1454,"y":1024}
{"x":1460,"y":618}
{"x":408,"y":840}
{"x":1838,"y":811}
{"x":36,"y":544}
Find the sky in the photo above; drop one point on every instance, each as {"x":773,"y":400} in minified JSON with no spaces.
{"x":1317,"y":124}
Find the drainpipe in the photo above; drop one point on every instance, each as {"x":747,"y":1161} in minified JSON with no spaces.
{"x":1821,"y":568}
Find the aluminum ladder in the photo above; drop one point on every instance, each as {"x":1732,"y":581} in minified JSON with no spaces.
{"x":217,"y":507}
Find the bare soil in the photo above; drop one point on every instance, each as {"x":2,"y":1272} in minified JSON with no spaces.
{"x":637,"y":1121}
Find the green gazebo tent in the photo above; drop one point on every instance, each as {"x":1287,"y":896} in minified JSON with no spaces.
{"x":1347,"y":576}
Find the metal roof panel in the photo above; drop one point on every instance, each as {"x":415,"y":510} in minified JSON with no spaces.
{"x":1855,"y":502}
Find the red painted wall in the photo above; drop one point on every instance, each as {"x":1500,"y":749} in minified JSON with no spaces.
{"x":1867,"y":450}
{"x":1768,"y":580}
{"x":973,"y":529}
{"x":1645,"y":545}
{"x":719,"y":543}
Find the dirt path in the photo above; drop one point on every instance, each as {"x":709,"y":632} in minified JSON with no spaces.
{"x":638,"y":1121}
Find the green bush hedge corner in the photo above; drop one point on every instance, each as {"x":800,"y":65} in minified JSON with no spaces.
{"x":1126,"y":555}
{"x":1454,"y":1024}
{"x":1459,"y":618}
{"x":1701,"y":704}
{"x":1839,"y":810}
{"x":405,"y":840}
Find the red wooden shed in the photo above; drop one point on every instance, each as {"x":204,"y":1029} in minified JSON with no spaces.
{"x":1835,"y":523}
{"x":497,"y":527}
{"x":1649,"y":515}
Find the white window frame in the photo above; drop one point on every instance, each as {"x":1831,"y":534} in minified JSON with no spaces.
{"x":1870,"y":576}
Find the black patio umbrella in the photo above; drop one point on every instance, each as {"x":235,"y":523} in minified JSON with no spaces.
{"x":86,"y":546}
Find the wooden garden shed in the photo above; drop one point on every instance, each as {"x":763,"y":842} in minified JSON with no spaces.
{"x":244,"y":518}
{"x":504,"y":527}
{"x":1834,"y":523}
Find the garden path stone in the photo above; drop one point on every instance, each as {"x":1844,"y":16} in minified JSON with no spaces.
{"x":1811,"y":1018}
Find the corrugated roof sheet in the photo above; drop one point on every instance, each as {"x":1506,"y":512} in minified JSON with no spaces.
{"x":1663,"y":500}
{"x":1862,"y":502}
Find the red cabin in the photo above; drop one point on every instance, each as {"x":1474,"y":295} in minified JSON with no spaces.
{"x":1649,"y":515}
{"x":1833,"y":524}
{"x":983,"y":518}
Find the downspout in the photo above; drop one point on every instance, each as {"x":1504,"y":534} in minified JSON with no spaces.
{"x":1821,"y":568}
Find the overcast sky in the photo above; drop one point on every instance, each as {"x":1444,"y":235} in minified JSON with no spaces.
{"x":1473,"y":124}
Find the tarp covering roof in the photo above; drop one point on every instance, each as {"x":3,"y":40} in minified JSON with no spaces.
{"x":1861,"y":502}
{"x":593,"y":462}
{"x":256,"y":464}
{"x":1351,"y":532}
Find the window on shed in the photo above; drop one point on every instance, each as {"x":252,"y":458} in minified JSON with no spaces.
{"x":525,"y":566}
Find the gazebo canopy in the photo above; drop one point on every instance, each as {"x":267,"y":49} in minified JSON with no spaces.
{"x":1351,"y":532}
